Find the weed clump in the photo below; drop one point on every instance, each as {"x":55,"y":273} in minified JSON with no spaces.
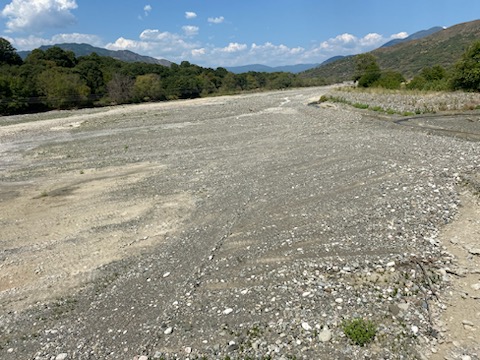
{"x":359,"y":331}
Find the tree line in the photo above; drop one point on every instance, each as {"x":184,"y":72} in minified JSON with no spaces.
{"x":57,"y":79}
{"x":464,"y":75}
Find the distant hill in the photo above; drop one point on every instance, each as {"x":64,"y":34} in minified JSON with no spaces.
{"x":443,"y":48}
{"x":295,"y":69}
{"x":333,"y":59}
{"x":86,"y":49}
{"x":416,"y":36}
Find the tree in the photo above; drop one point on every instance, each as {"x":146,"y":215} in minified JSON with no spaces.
{"x":8,"y":54}
{"x":148,"y":87}
{"x":120,"y":88}
{"x":62,"y":89}
{"x":92,"y":74}
{"x":389,"y":80}
{"x":367,"y":70}
{"x":61,"y":57}
{"x":467,"y":70}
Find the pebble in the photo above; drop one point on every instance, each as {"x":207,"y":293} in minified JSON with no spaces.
{"x":325,"y":335}
{"x":62,"y":356}
{"x":474,"y":251}
{"x":168,"y":331}
{"x":167,"y":274}
{"x":306,"y":327}
{"x":188,"y":350}
{"x":476,"y":286}
{"x":228,"y":311}
{"x":414,"y":329}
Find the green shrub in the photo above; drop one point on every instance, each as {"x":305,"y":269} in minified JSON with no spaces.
{"x":466,"y":75}
{"x":359,"y":331}
{"x":389,"y":80}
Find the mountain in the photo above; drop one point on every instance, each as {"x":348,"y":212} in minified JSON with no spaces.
{"x":295,"y":69}
{"x":86,"y":49}
{"x":333,"y":59}
{"x":416,"y":36}
{"x":443,"y":48}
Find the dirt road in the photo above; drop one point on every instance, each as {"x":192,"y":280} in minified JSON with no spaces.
{"x":249,"y":225}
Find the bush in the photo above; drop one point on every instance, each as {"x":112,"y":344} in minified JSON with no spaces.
{"x":431,"y":79}
{"x":390,"y":80}
{"x":467,"y":71}
{"x":359,"y":331}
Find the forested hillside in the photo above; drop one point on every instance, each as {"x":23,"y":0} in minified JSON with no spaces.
{"x":442,"y":48}
{"x":57,"y":79}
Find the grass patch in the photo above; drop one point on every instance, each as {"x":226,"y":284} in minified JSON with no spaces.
{"x":359,"y":331}
{"x":361,"y":106}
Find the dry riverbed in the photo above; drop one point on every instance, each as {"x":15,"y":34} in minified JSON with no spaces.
{"x":244,"y":226}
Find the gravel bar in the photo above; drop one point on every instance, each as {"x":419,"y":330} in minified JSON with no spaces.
{"x":286,"y":220}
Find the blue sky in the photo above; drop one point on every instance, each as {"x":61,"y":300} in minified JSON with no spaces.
{"x":228,"y":32}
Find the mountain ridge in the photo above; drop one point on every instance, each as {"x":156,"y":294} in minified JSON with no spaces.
{"x":443,"y":48}
{"x":415,"y":36}
{"x":295,"y":69}
{"x":82,"y":49}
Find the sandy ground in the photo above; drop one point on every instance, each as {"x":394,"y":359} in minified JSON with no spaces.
{"x":460,"y":320}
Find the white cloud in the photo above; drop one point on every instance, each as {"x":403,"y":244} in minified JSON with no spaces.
{"x":234,"y":47}
{"x":198,"y":52}
{"x":349,"y":44}
{"x":400,"y":35}
{"x":159,"y":44}
{"x":33,"y":42}
{"x":147,"y":9}
{"x":190,"y":30}
{"x":372,"y":39}
{"x":190,"y":15}
{"x":77,"y":38}
{"x":38,"y":15}
{"x":217,"y":20}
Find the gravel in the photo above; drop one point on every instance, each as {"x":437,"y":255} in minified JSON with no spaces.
{"x":411,"y":102}
{"x":303,"y":217}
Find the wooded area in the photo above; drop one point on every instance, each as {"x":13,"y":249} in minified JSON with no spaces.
{"x":57,"y":79}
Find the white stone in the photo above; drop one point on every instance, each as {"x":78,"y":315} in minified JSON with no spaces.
{"x":325,"y":335}
{"x":414,"y":329}
{"x":476,"y":286}
{"x":61,"y":356}
{"x":166,"y":274}
{"x":306,"y":327}
{"x":168,"y":330}
{"x":339,"y":300}
{"x":228,"y":311}
{"x":188,"y":350}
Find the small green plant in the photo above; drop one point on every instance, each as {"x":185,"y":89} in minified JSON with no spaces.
{"x":324,"y":98}
{"x":361,"y":106}
{"x":359,"y":331}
